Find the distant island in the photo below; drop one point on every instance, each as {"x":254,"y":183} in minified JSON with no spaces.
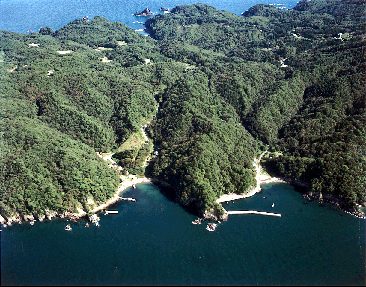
{"x":201,"y":107}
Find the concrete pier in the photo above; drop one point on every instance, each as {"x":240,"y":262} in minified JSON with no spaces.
{"x":253,"y":212}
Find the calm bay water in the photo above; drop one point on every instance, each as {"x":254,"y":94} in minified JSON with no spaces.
{"x":24,"y":15}
{"x":152,"y":241}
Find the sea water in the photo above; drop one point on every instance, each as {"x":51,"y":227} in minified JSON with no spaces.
{"x":25,"y":16}
{"x":153,"y":241}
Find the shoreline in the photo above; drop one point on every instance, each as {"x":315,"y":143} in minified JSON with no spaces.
{"x":127,"y":183}
{"x":261,"y":177}
{"x":233,"y":196}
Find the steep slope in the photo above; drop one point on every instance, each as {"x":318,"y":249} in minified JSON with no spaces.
{"x":296,"y":78}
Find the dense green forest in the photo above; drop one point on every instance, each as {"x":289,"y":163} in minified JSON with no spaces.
{"x":214,"y":88}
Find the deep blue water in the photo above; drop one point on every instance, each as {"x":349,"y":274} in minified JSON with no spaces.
{"x":30,"y":15}
{"x":152,"y":241}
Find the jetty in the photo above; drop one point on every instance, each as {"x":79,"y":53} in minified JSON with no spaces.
{"x":111,"y":212}
{"x":237,"y":212}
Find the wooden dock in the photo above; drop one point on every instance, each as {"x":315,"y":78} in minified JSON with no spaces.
{"x":253,"y":212}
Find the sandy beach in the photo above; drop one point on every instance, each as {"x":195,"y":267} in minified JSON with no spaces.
{"x":126,"y":183}
{"x":261,"y":178}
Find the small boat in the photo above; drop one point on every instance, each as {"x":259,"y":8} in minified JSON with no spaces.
{"x":68,"y":227}
{"x":87,"y":224}
{"x":134,"y":186}
{"x":31,"y":222}
{"x":272,"y":204}
{"x":197,"y":221}
{"x":211,"y":227}
{"x":127,"y":199}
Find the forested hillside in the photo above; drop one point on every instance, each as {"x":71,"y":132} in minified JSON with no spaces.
{"x":214,"y":89}
{"x":296,"y":79}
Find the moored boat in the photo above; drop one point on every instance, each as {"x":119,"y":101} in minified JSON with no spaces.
{"x":197,"y":221}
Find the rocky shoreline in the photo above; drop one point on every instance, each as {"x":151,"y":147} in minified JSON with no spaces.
{"x":49,"y":215}
{"x":333,"y":202}
{"x":326,"y":199}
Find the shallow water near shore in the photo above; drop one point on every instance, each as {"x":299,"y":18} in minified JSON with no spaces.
{"x":152,"y":241}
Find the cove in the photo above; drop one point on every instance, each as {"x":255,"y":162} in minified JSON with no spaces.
{"x":152,"y":241}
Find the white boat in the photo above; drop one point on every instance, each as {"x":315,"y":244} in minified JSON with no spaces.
{"x":272,"y":204}
{"x":134,"y":186}
{"x":127,"y":199}
{"x":68,"y":227}
{"x":197,"y":221}
{"x":31,"y":222}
